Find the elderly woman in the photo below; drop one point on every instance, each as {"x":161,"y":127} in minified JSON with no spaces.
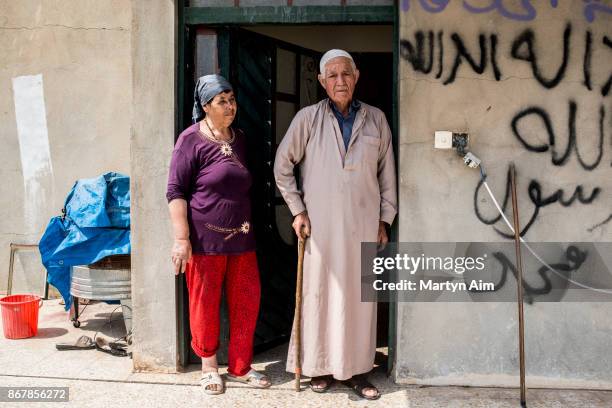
{"x":208,"y":196}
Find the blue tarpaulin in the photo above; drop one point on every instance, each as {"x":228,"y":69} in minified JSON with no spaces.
{"x":96,"y":224}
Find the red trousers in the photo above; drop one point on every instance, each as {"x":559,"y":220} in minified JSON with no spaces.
{"x":205,"y":275}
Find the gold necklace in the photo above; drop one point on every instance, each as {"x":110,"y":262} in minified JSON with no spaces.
{"x":226,"y":149}
{"x":224,"y":146}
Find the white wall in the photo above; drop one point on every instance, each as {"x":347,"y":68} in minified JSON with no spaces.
{"x":65,"y":111}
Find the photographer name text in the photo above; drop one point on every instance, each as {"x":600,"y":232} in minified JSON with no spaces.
{"x":433,"y":286}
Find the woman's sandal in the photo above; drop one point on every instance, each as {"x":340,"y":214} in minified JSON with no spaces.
{"x":328,"y":380}
{"x":252,"y":378}
{"x":358,"y":383}
{"x":212,"y":378}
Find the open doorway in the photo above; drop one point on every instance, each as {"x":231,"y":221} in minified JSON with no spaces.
{"x":273,"y":69}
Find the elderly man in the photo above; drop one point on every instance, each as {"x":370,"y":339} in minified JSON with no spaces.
{"x":346,"y":195}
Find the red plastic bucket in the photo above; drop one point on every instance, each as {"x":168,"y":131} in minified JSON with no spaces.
{"x":20,"y":315}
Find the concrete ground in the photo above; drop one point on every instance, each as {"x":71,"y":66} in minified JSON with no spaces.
{"x":97,"y":379}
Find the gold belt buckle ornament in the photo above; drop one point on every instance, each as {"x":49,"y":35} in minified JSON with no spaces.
{"x":244,"y":228}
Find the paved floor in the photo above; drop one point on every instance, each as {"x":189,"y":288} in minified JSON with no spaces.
{"x":97,"y":379}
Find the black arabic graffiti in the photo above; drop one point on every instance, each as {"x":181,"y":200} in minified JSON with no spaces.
{"x":420,"y":54}
{"x":523,"y":49}
{"x":556,"y":158}
{"x":606,"y":88}
{"x":425,"y":52}
{"x":537,"y":199}
{"x":600,"y":224}
{"x":427,"y":48}
{"x":575,"y":259}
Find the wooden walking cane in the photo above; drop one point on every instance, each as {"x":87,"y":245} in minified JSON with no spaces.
{"x":298,"y":313}
{"x":519,"y":284}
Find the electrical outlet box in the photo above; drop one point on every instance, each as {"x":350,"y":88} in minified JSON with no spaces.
{"x":443,"y":139}
{"x":460,"y":142}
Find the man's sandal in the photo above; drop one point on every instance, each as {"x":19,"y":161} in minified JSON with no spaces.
{"x":212,"y":378}
{"x":358,"y":384}
{"x":327,"y":380}
{"x":252,"y":378}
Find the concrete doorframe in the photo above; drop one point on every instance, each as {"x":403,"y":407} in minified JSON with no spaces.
{"x":157,"y":97}
{"x":153,"y":54}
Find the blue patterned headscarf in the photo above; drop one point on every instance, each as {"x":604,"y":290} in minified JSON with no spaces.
{"x":207,"y":87}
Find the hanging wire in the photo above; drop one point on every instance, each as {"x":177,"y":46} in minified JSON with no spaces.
{"x":501,"y":212}
{"x":125,"y":338}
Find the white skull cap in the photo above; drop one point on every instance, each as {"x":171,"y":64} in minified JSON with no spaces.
{"x":331,"y":54}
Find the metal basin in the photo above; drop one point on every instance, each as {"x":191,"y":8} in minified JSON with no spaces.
{"x":101,"y":283}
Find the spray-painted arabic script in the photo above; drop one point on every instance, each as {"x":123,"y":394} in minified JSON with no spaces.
{"x":522,"y":10}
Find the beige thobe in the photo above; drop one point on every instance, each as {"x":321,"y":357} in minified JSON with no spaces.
{"x":346,"y":194}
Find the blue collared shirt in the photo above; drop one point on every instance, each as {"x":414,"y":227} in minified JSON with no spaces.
{"x":346,"y":123}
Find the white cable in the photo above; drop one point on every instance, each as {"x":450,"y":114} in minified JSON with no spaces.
{"x":533,"y":252}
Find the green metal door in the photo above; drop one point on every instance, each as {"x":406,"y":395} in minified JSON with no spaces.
{"x":252,"y":59}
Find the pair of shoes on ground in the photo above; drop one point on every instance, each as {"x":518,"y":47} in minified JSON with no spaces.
{"x":252,"y":378}
{"x":357,"y":383}
{"x":115,"y":348}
